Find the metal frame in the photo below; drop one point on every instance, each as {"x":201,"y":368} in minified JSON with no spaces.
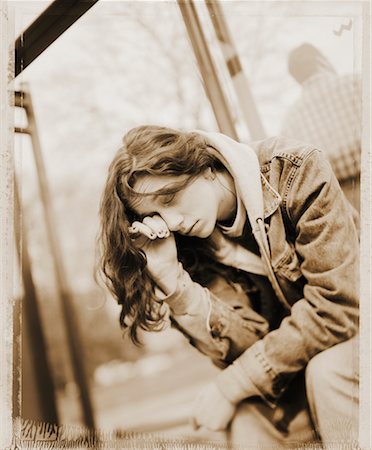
{"x":207,"y":68}
{"x":23,"y":100}
{"x":39,"y":379}
{"x":240,"y":82}
{"x":51,"y":23}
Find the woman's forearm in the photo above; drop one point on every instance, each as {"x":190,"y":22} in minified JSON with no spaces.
{"x":219,"y":321}
{"x":168,"y":281}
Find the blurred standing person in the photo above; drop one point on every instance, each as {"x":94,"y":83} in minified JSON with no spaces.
{"x":328,"y":114}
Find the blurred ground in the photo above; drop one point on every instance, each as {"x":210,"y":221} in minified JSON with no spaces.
{"x":159,"y":402}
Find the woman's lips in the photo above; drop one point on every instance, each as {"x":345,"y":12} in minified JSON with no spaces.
{"x":191,"y":228}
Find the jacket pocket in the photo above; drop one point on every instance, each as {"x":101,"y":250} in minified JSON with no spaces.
{"x":288,"y":265}
{"x":239,"y":325}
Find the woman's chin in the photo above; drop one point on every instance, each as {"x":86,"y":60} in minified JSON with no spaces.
{"x":204,"y":232}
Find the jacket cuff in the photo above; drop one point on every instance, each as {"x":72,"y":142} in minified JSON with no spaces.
{"x":255,"y":366}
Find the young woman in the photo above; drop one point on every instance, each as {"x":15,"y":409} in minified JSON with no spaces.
{"x":252,"y":252}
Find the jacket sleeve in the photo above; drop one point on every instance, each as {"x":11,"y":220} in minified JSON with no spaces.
{"x":327,"y":247}
{"x":218,"y":321}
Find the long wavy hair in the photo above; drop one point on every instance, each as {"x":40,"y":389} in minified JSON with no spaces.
{"x":149,"y":150}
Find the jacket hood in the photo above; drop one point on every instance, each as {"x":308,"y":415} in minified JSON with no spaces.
{"x":242,"y":163}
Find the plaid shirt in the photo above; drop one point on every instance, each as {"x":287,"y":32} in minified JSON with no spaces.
{"x":328,"y":115}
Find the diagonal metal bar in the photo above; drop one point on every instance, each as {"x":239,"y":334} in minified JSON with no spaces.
{"x":240,"y":82}
{"x":207,"y":68}
{"x":51,"y":23}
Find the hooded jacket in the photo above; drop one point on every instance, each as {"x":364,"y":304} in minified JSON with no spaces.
{"x":308,"y":239}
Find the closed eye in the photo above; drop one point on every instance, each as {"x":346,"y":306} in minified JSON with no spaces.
{"x":167,"y":199}
{"x":140,"y":217}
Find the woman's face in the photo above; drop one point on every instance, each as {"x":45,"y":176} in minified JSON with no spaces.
{"x":192,"y":211}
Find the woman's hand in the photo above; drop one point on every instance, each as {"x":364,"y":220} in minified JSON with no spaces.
{"x":154,"y":238}
{"x":212,"y":410}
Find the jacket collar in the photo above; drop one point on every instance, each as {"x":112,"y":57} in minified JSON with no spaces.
{"x":242,"y":162}
{"x":271,"y":198}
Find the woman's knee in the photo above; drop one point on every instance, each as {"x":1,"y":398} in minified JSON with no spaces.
{"x":318,"y":375}
{"x":327,"y":371}
{"x":320,"y":391}
{"x":332,"y":381}
{"x":332,"y":392}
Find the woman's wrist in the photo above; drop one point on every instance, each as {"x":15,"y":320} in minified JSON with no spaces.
{"x":168,"y":282}
{"x":182,"y":299}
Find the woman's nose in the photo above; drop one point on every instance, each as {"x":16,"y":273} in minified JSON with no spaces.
{"x":174,"y":221}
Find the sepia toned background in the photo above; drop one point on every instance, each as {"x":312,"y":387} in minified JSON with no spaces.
{"x":123,"y":64}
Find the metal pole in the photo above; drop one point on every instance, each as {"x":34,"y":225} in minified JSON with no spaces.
{"x":38,"y":396}
{"x":207,"y":69}
{"x":51,"y":23}
{"x":23,"y":99}
{"x":232,"y":61}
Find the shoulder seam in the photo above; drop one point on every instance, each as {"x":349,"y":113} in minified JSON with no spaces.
{"x":297,"y":160}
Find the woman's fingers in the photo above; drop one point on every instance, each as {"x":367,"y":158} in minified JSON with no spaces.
{"x":151,"y":227}
{"x":157,"y":225}
{"x":138,"y":228}
{"x":211,"y":409}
